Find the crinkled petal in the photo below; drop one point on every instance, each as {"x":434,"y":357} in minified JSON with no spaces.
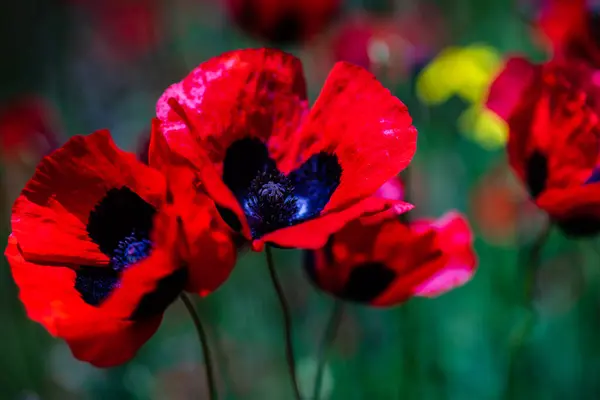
{"x":50,"y":216}
{"x":314,"y":234}
{"x":112,"y":332}
{"x":456,"y":240}
{"x":243,"y":93}
{"x":368,"y":129}
{"x":509,"y":86}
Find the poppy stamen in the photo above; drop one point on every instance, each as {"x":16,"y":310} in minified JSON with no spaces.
{"x":270,"y":203}
{"x":130,"y":250}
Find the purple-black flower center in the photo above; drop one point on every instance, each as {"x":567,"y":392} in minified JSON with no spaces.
{"x":130,"y":250}
{"x":271,"y":200}
{"x":120,"y":225}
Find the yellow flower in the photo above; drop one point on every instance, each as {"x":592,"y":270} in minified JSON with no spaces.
{"x":463,"y":71}
{"x":483,"y":127}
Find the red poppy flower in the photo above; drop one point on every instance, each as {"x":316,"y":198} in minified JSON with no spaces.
{"x":554,"y":138}
{"x":385,"y":264}
{"x":500,"y":208}
{"x":283,"y":21}
{"x":278,"y":172}
{"x":95,"y":249}
{"x":573,"y":29}
{"x":211,"y":251}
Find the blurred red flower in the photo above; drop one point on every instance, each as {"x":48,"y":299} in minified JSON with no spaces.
{"x":553,"y":146}
{"x":132,"y":27}
{"x":29,"y":128}
{"x":499,"y":204}
{"x":282,"y":22}
{"x":390,"y":47}
{"x":279,"y":172}
{"x":386,"y":263}
{"x":573,"y":29}
{"x":97,"y":250}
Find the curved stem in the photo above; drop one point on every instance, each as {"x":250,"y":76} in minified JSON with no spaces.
{"x":530,"y":263}
{"x":328,"y":337}
{"x":287,"y":321}
{"x":210,"y":377}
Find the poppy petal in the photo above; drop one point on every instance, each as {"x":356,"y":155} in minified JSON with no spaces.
{"x":147,"y":287}
{"x":442,"y":258}
{"x":314,"y":234}
{"x":206,"y":177}
{"x":213,"y":253}
{"x":207,"y":242}
{"x":393,"y":189}
{"x":360,"y":122}
{"x":244,"y":93}
{"x":456,"y":240}
{"x":107,"y":344}
{"x":570,"y":25}
{"x":92,"y":334}
{"x":50,"y":216}
{"x":572,"y":202}
{"x":111,"y":332}
{"x":507,"y":89}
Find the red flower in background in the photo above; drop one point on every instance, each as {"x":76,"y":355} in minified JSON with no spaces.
{"x":386,"y":263}
{"x":130,"y":26}
{"x":28,"y":128}
{"x":573,"y":29}
{"x":283,"y":21}
{"x":278,"y":172}
{"x":554,"y":141}
{"x":501,"y":208}
{"x":391,"y":46}
{"x":94,"y":249}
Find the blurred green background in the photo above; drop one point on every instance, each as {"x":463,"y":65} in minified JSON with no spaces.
{"x":103,"y":63}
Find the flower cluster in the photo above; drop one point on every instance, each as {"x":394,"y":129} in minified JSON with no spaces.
{"x":553,"y":111}
{"x":102,"y":243}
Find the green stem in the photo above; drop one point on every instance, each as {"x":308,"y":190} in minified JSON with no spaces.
{"x":328,"y":338}
{"x":530,"y":263}
{"x":287,"y":322}
{"x":210,"y":377}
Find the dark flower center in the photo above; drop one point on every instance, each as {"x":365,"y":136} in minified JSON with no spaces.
{"x":536,"y":177}
{"x":271,"y":200}
{"x":367,"y":281}
{"x":130,"y":250}
{"x":120,"y":225}
{"x":536,"y":173}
